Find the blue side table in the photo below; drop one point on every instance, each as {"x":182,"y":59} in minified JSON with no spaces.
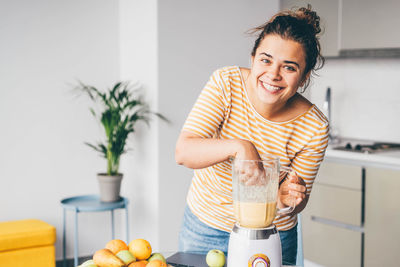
{"x":90,"y":203}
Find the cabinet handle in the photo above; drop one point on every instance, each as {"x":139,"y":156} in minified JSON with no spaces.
{"x":338,"y":224}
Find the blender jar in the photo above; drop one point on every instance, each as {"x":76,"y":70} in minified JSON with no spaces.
{"x":255,"y":191}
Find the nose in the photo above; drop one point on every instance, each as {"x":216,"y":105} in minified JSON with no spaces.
{"x":273,"y":73}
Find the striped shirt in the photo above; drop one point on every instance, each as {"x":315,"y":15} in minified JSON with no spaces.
{"x":223,"y":111}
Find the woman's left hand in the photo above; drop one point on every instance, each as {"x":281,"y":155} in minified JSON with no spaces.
{"x":292,"y":190}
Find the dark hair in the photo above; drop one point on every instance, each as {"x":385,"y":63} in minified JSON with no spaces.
{"x":302,"y":26}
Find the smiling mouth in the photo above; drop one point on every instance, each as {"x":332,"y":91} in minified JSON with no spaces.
{"x":271,"y":88}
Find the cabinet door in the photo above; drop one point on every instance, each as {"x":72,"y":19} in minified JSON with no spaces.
{"x":336,"y":204}
{"x":330,"y":246}
{"x":329,"y":14}
{"x":369,"y":24}
{"x":382,"y":217}
{"x":332,"y":219}
{"x":340,"y":175}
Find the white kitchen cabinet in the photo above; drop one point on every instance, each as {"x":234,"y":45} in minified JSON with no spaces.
{"x":329,"y":13}
{"x":369,"y":24}
{"x":382,"y":217}
{"x":332,"y":233}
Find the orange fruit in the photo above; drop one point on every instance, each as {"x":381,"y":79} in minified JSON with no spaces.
{"x":140,"y":248}
{"x":156,"y":263}
{"x":138,"y":264}
{"x":116,"y":245}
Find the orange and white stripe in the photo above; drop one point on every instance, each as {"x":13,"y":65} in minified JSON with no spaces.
{"x":224,"y":111}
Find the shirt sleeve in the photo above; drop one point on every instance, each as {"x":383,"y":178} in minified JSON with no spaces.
{"x":307,"y":161}
{"x":208,"y":112}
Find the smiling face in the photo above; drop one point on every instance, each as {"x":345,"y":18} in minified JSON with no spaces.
{"x":277,"y":72}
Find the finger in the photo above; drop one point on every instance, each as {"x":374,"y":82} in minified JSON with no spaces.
{"x":297,"y":194}
{"x":292,"y":177}
{"x":297,"y":187}
{"x":251,"y":181}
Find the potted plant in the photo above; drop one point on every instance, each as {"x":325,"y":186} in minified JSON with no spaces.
{"x":120,"y":109}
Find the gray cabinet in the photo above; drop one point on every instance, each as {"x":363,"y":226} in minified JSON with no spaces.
{"x":329,"y":13}
{"x":382,"y":217}
{"x":332,"y":232}
{"x":369,"y":24}
{"x":361,"y":28}
{"x":353,"y":217}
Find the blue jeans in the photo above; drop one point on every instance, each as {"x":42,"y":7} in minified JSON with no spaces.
{"x":197,"y":237}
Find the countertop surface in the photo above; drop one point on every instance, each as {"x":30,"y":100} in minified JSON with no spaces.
{"x":384,"y":159}
{"x":184,"y":259}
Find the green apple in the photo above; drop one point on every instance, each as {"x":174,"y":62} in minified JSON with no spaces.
{"x":88,"y":263}
{"x":215,"y":258}
{"x":126,"y":256}
{"x":157,"y":256}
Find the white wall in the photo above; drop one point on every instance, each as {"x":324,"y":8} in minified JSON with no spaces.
{"x":195,"y":38}
{"x":139,"y":62}
{"x":45,"y":47}
{"x":365,"y":97}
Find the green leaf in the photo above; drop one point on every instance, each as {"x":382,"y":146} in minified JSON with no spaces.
{"x":120,"y":108}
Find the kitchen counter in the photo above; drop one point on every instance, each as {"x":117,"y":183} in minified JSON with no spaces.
{"x":387,"y":160}
{"x":185,"y":259}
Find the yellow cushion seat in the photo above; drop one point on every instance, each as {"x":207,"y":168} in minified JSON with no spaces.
{"x":27,"y":243}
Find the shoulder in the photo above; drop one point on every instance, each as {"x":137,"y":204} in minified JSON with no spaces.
{"x":314,"y":117}
{"x":226,"y":79}
{"x":318,"y":119}
{"x":228,"y":72}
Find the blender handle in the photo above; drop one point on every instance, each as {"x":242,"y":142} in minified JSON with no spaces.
{"x":284,"y":169}
{"x":290,"y":208}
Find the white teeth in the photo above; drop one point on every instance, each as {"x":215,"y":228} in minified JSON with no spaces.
{"x":270,"y":87}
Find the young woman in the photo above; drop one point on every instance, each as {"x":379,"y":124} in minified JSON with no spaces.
{"x":247,"y":113}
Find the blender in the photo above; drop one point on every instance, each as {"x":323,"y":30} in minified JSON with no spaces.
{"x":254,"y":240}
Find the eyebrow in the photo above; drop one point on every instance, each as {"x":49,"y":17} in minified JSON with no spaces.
{"x":286,"y":61}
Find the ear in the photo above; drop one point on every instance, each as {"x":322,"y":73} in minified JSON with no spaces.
{"x":305,"y":78}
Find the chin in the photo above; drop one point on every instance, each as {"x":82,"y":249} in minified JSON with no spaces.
{"x":268,"y":97}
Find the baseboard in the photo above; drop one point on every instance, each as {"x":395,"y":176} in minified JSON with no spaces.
{"x":70,"y":262}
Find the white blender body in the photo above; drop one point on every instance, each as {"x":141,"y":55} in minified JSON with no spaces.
{"x":254,"y":240}
{"x":254,"y":247}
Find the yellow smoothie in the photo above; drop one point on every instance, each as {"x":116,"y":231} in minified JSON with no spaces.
{"x":253,"y":214}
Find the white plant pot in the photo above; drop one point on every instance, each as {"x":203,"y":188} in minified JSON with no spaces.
{"x":109,"y":187}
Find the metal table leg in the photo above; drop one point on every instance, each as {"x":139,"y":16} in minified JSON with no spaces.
{"x":127,"y":221}
{"x":64,"y":240}
{"x":112,"y":224}
{"x":76,"y":239}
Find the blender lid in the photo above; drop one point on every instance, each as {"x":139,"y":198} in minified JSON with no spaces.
{"x":255,"y":233}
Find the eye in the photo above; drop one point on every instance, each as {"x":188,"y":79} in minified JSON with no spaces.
{"x":265,"y":60}
{"x":290,"y":68}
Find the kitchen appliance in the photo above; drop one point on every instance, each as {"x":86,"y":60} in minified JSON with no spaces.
{"x":254,"y":240}
{"x":368,"y":147}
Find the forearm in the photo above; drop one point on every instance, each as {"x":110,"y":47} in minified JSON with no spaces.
{"x":196,"y":152}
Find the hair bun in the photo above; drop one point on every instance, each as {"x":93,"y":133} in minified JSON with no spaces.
{"x":309,"y":16}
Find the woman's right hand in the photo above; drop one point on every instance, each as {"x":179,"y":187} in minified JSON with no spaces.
{"x":246,"y":150}
{"x":251,"y":170}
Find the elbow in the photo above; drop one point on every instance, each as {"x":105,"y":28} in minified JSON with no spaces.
{"x":179,"y":157}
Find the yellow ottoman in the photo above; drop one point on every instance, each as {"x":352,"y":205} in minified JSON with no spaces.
{"x":27,"y":243}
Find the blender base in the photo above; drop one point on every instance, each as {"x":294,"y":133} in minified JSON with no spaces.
{"x":254,"y":247}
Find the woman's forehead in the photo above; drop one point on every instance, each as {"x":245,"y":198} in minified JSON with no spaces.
{"x":281,"y":49}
